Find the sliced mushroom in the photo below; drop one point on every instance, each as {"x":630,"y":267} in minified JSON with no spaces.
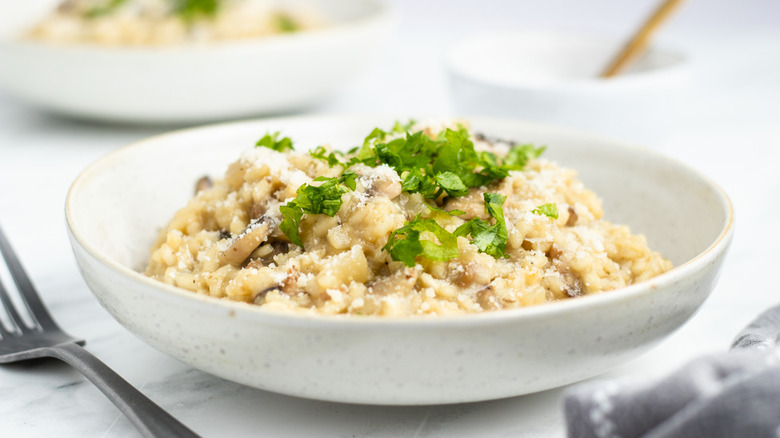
{"x":572,"y":283}
{"x":381,"y":181}
{"x":288,"y":285}
{"x":572,"y":217}
{"x":555,"y":252}
{"x":385,"y":187}
{"x":253,"y":235}
{"x":203,"y":183}
{"x":492,"y":141}
{"x":258,"y":209}
{"x":267,"y":253}
{"x":260,"y":297}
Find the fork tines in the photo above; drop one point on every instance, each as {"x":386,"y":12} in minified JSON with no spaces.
{"x":34,"y":307}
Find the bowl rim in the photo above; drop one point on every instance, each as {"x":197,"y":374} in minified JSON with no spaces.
{"x":378,"y":16}
{"x":236,"y":309}
{"x":594,"y":84}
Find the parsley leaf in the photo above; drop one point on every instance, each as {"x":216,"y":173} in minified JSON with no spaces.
{"x":491,"y":167}
{"x":292,"y":214}
{"x":326,"y":197}
{"x":412,"y":181}
{"x":376,"y":134}
{"x":494,"y":206}
{"x":399,"y":128}
{"x":436,"y":210}
{"x":322,"y":199}
{"x":451,"y":183}
{"x":549,"y":210}
{"x":519,"y":156}
{"x":348,"y":179}
{"x":319,"y":153}
{"x":270,"y":141}
{"x":490,"y":239}
{"x":455,"y":152}
{"x":407,"y":249}
{"x":386,"y":153}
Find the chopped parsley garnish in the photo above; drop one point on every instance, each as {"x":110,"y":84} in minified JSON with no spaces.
{"x":447,"y":213}
{"x":447,"y":165}
{"x":490,"y":239}
{"x":331,"y":158}
{"x":519,"y":156}
{"x":401,"y":128}
{"x":406,"y":250}
{"x":270,"y":141}
{"x":106,"y":8}
{"x":549,"y":210}
{"x":322,"y":199}
{"x":451,"y":183}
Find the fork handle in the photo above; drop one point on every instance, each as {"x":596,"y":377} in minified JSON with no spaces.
{"x":151,"y":420}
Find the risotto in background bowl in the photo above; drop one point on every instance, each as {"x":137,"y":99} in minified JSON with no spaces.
{"x":226,"y":67}
{"x":118,"y":206}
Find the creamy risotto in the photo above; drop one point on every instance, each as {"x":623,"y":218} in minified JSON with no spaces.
{"x":167,"y":22}
{"x":424,"y":219}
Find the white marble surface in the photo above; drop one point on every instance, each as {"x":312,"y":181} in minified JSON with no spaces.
{"x":726,"y":126}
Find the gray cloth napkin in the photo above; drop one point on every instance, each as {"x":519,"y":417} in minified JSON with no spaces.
{"x":733,"y":394}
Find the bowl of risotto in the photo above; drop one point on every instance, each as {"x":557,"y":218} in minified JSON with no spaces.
{"x":382,"y":261}
{"x":187,"y":61}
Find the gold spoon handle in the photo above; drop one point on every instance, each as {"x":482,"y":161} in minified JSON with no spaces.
{"x":638,"y":44}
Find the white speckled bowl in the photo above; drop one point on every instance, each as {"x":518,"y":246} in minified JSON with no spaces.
{"x":552,"y":77}
{"x":197,"y":82}
{"x":117,"y":205}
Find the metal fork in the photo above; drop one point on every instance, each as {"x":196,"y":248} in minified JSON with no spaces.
{"x":46,"y":339}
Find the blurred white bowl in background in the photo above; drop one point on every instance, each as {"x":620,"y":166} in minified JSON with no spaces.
{"x":553,"y":77}
{"x":197,"y":83}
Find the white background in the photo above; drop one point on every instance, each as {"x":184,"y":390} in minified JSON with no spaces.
{"x":729,"y":128}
